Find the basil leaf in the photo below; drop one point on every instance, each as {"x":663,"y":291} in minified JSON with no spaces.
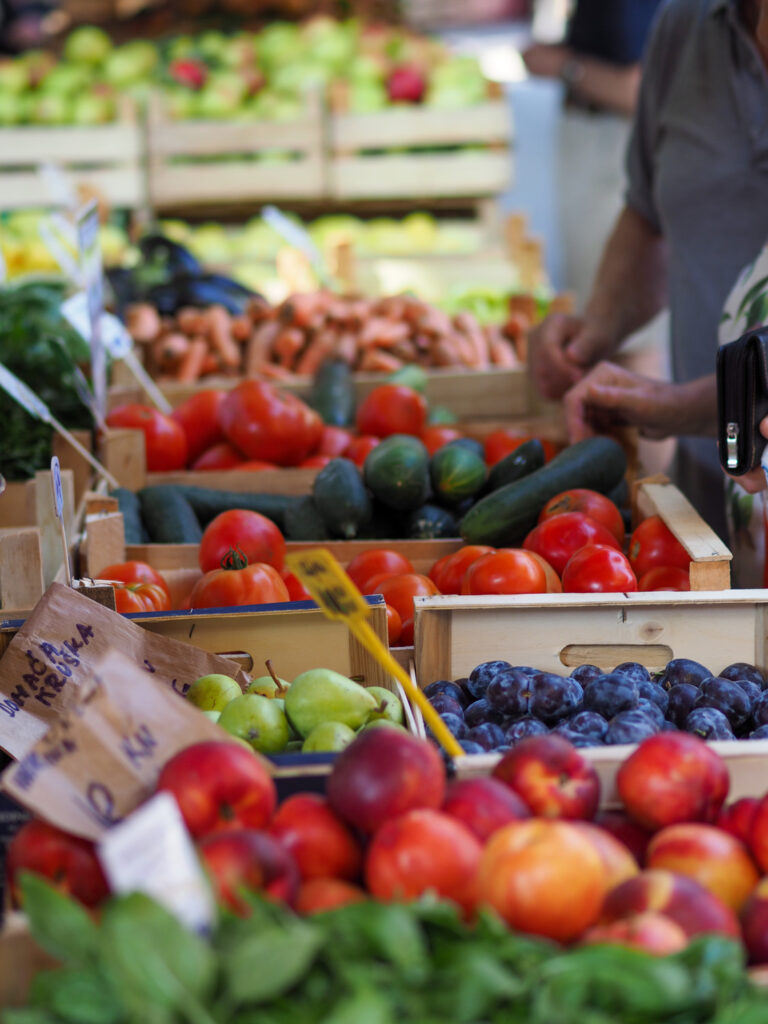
{"x":270,"y":961}
{"x":363,"y":1007}
{"x":60,"y":925}
{"x":78,"y":996}
{"x":28,"y":1016}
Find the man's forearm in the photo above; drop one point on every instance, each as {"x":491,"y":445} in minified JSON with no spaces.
{"x":631,"y":283}
{"x":697,"y":409}
{"x":610,"y":86}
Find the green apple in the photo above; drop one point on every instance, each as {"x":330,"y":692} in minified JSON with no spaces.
{"x":329,"y":736}
{"x":180,"y":104}
{"x":213,"y":692}
{"x":90,"y":108}
{"x":130,"y":63}
{"x":279,"y":43}
{"x":12,"y":108}
{"x":180,"y":48}
{"x":389,"y":706}
{"x":66,"y":80}
{"x":87,"y":45}
{"x":14,"y":76}
{"x":50,"y":108}
{"x":367,"y":97}
{"x":257,"y":720}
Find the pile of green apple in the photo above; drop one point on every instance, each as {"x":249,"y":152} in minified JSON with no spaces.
{"x":321,"y":710}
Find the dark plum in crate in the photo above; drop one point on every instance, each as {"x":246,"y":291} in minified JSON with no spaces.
{"x":742,"y":670}
{"x":445,"y":705}
{"x":652,"y":691}
{"x":709,"y":724}
{"x":760,"y":734}
{"x":632,"y":670}
{"x":760,"y":711}
{"x":523,"y":727}
{"x":752,"y":690}
{"x":480,"y":677}
{"x":651,"y":710}
{"x":583,"y":673}
{"x":725,"y":696}
{"x":510,"y":692}
{"x":683,"y":670}
{"x":457,"y":726}
{"x":681,"y":701}
{"x":544,"y":695}
{"x":587,"y":723}
{"x":577,"y":739}
{"x":611,"y":694}
{"x":631,"y":726}
{"x":470,"y":747}
{"x":447,"y":688}
{"x":482,"y":711}
{"x":488,"y":735}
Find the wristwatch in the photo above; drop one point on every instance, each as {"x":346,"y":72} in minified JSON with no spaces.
{"x":571,"y":73}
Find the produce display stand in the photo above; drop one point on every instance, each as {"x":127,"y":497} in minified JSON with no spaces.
{"x":106,"y":159}
{"x":557,"y":632}
{"x":196,"y":162}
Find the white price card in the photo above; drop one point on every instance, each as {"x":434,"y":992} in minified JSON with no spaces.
{"x":92,"y":276}
{"x":114,"y":335}
{"x":151,"y":851}
{"x":58,"y":490}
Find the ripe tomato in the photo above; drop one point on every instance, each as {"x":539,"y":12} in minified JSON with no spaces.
{"x":592,"y":504}
{"x":374,"y":581}
{"x":256,"y":537}
{"x":134,"y":572}
{"x":198,"y":417}
{"x":334,"y":440}
{"x":392,"y":409}
{"x":598,"y":568}
{"x":296,"y":589}
{"x":164,"y":438}
{"x":399,"y":591}
{"x":240,"y":585}
{"x":394,"y":626}
{"x":265,"y":423}
{"x":436,"y":436}
{"x":141,"y":597}
{"x":503,"y":442}
{"x":360,"y":448}
{"x":220,"y":456}
{"x":506,"y":571}
{"x":316,"y":462}
{"x":368,"y":564}
{"x":653,"y":544}
{"x":554,"y":585}
{"x":665,"y":577}
{"x":406,"y":633}
{"x":558,"y":538}
{"x":448,"y":571}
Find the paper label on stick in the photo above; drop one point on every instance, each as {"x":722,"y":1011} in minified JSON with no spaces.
{"x":93,"y":280}
{"x":43,"y":671}
{"x":114,"y":335}
{"x":101,"y":759}
{"x":328,"y":584}
{"x":19,"y":391}
{"x":58,"y":490}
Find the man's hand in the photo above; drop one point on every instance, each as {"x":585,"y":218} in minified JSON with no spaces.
{"x":561,"y":350}
{"x":545,"y":60}
{"x":754,"y":481}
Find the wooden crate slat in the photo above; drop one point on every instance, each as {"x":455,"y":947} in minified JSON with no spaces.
{"x":236,"y":180}
{"x":422,"y":126}
{"x":697,"y":537}
{"x":207,"y":138}
{"x":107,"y":143}
{"x":121,"y":186}
{"x":420,"y":175}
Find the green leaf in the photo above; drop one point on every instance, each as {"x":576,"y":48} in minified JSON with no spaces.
{"x":28,"y":1016}
{"x":362,"y":1008}
{"x":60,"y":925}
{"x":270,"y":961}
{"x":78,"y":996}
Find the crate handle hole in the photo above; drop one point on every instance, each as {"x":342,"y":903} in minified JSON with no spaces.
{"x":243,"y":659}
{"x":608,"y":656}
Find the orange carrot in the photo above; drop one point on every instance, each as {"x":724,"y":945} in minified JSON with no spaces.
{"x":272,"y":371}
{"x":346,"y":347}
{"x":288,"y":344}
{"x":502,"y":351}
{"x":191,"y":321}
{"x":258,"y":349}
{"x":241,"y":328}
{"x":220,"y":336}
{"x":143,"y":322}
{"x":376,"y":361}
{"x":168,"y":351}
{"x":473,"y":334}
{"x":316,"y":352}
{"x":191,"y":365}
{"x":210,"y":365}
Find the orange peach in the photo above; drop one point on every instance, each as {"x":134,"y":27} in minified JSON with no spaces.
{"x":737,"y":817}
{"x":618,"y":862}
{"x":483,"y":805}
{"x":319,"y":894}
{"x":553,"y":778}
{"x":653,"y":933}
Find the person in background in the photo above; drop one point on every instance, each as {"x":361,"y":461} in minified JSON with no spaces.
{"x":694,"y":215}
{"x":23,"y":24}
{"x":599,"y":65}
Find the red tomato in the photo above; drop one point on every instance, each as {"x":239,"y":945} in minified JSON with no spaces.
{"x":165,"y":440}
{"x":399,"y":591}
{"x":448,"y":571}
{"x":554,"y":585}
{"x":316,"y":461}
{"x":558,"y":538}
{"x":334,"y":440}
{"x":219,"y":456}
{"x":503,"y":442}
{"x":256,"y":465}
{"x":227,"y":588}
{"x":392,"y":409}
{"x":591,"y":504}
{"x":368,"y":564}
{"x":406,"y":633}
{"x":265,"y":423}
{"x":436,"y":436}
{"x":141,"y":597}
{"x":598,"y":568}
{"x":255,"y":536}
{"x":506,"y":571}
{"x":374,"y":581}
{"x":134,"y":572}
{"x":653,"y":544}
{"x":198,"y":417}
{"x":360,"y":448}
{"x":296,"y":589}
{"x":394,"y":626}
{"x":665,"y":577}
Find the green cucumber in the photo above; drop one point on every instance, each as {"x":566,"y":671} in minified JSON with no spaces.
{"x":130,"y":506}
{"x":470,"y":444}
{"x":525,"y":459}
{"x":456,"y":473}
{"x":506,"y":516}
{"x":208,"y":504}
{"x":304,"y":522}
{"x":333,"y":393}
{"x":429,"y":522}
{"x":341,"y":498}
{"x":397,"y":472}
{"x":168,"y":516}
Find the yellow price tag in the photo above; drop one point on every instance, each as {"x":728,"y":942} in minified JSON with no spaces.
{"x":339,"y":598}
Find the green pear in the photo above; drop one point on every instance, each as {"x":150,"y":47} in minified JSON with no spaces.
{"x":259,"y":721}
{"x":322,"y":695}
{"x":213,"y":692}
{"x":212,"y":716}
{"x":329,"y":736}
{"x":382,"y":723}
{"x":293,"y":747}
{"x":270,"y":685}
{"x":389,"y":708}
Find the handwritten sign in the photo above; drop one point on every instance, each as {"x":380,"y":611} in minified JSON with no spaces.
{"x":93,"y":280}
{"x":101,"y":759}
{"x":53,"y":655}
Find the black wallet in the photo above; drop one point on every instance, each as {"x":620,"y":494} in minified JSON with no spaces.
{"x":742,"y":401}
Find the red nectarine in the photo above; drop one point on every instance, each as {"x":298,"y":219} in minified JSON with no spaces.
{"x":754,"y":924}
{"x":652,"y":933}
{"x":483,"y":805}
{"x":319,"y":894}
{"x":618,"y":862}
{"x":551,"y":776}
{"x":319,"y":841}
{"x":245,"y":859}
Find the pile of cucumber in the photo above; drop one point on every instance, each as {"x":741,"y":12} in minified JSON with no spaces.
{"x":401,"y":493}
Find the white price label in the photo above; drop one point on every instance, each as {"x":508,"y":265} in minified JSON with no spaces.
{"x":19,"y":391}
{"x":92,"y":272}
{"x":58,"y":490}
{"x":114,"y":335}
{"x":151,"y":851}
{"x":59,"y":186}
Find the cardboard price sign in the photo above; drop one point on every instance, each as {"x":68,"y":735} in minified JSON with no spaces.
{"x":102,"y":759}
{"x":54,"y":653}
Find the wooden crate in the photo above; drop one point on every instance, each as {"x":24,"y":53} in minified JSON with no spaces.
{"x":557,"y":632}
{"x":359,"y":170}
{"x":107,"y":159}
{"x":192,"y":163}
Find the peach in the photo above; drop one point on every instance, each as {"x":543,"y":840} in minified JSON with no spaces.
{"x":754,"y":924}
{"x":758,"y":834}
{"x":716,"y":859}
{"x":673,"y":777}
{"x":628,"y":832}
{"x":737,"y":817}
{"x":248,"y":860}
{"x":420,"y":851}
{"x":551,"y":776}
{"x":483,"y":805}
{"x":542,"y":877}
{"x":319,"y":841}
{"x":618,"y":862}
{"x":686,"y":901}
{"x":319,"y":894}
{"x":653,"y":933}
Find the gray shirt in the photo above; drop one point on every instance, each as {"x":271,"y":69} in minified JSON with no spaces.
{"x":698,"y":172}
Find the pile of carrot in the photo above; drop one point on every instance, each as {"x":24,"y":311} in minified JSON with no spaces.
{"x":298,"y":335}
